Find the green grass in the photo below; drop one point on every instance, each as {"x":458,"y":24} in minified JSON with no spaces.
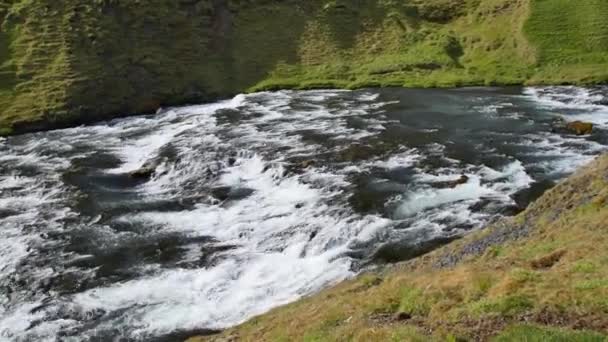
{"x":571,"y":39}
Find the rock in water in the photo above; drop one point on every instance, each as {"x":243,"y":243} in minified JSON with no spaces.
{"x":574,"y":127}
{"x":224,"y":193}
{"x":580,"y":127}
{"x":147,"y":171}
{"x":307,"y":163}
{"x":451,"y":183}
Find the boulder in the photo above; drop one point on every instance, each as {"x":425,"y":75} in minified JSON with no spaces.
{"x":451,"y":183}
{"x":225,"y":193}
{"x":149,"y":169}
{"x":144,"y":172}
{"x":580,"y":127}
{"x":575,"y":127}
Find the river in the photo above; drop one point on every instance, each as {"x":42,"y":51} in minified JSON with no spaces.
{"x":256,"y":201}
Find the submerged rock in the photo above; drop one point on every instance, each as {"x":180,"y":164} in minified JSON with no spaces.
{"x":297,"y":166}
{"x":357,"y":152}
{"x":451,"y":183}
{"x":149,"y":169}
{"x":224,"y":193}
{"x":145,"y":172}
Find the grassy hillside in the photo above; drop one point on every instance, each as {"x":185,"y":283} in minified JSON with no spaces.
{"x":571,"y":38}
{"x":73,"y":61}
{"x":541,"y":276}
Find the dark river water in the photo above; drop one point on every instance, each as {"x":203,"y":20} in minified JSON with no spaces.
{"x":253,"y":202}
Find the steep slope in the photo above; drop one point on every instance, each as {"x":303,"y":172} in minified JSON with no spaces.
{"x":571,"y":38}
{"x":73,"y":61}
{"x":524,"y":278}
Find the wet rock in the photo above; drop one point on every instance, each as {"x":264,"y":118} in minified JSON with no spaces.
{"x":142,"y":173}
{"x":575,"y":127}
{"x":580,"y":127}
{"x":357,"y":152}
{"x":183,"y":335}
{"x":147,"y":171}
{"x":240,"y":193}
{"x":221,"y":193}
{"x":4,"y":213}
{"x":97,"y":160}
{"x":404,"y":250}
{"x":298,"y":167}
{"x":225,"y":193}
{"x":602,"y":102}
{"x":368,"y":197}
{"x":213,"y":254}
{"x":526,"y":196}
{"x":451,"y":183}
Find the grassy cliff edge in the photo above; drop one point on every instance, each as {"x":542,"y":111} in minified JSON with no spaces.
{"x":540,"y":276}
{"x":71,"y":61}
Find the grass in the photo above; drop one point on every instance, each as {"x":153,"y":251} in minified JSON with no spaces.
{"x":77,"y":61}
{"x":572,"y":40}
{"x":556,"y":279}
{"x":530,"y":333}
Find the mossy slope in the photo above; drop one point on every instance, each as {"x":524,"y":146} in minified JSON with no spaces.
{"x":541,"y":276}
{"x":65,"y":62}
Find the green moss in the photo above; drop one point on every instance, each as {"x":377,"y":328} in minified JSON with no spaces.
{"x":503,"y":306}
{"x":414,"y":302}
